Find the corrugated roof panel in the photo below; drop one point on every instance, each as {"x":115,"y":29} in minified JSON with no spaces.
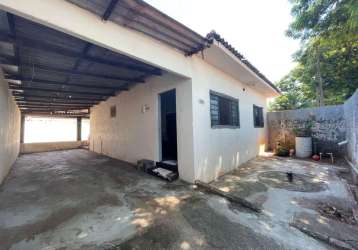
{"x":97,"y":7}
{"x":30,"y":72}
{"x":25,"y":28}
{"x":40,"y":57}
{"x":96,"y":68}
{"x":142,"y":17}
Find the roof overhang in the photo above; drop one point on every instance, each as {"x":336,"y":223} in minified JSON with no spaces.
{"x":52,"y":73}
{"x":219,"y":56}
{"x":142,"y":17}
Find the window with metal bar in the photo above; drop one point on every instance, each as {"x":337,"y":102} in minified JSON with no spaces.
{"x":258,"y":117}
{"x":224,"y":111}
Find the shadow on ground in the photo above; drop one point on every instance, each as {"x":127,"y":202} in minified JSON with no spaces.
{"x":81,"y":200}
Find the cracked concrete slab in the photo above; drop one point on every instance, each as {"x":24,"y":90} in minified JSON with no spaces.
{"x":327,"y":229}
{"x":280,"y":200}
{"x":77,"y":199}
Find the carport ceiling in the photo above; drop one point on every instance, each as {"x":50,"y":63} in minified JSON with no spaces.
{"x":52,"y":73}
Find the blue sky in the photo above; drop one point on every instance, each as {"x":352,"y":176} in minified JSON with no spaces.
{"x":254,"y":27}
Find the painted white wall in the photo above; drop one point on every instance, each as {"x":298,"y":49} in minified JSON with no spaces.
{"x":10,"y":121}
{"x":219,"y":150}
{"x":351,"y":119}
{"x":133,"y":135}
{"x":204,"y":153}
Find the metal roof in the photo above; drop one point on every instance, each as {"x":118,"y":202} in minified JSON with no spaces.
{"x":142,"y":17}
{"x":50,"y":72}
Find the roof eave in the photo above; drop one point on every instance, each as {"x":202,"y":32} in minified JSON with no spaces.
{"x":213,"y":37}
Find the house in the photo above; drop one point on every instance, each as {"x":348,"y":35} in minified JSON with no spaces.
{"x":154,"y":88}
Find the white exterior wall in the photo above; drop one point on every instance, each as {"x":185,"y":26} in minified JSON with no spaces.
{"x":10,"y":121}
{"x":219,"y":150}
{"x":204,"y":153}
{"x":133,"y":135}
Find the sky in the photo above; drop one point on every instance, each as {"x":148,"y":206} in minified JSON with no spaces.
{"x":256,"y":28}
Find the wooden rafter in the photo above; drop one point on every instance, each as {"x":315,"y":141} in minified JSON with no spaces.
{"x":39,"y":45}
{"x":29,"y":103}
{"x":57,"y":97}
{"x":53,"y":114}
{"x":82,"y":85}
{"x":74,"y":92}
{"x":56,"y":101}
{"x":79,"y":73}
{"x":111,"y":6}
{"x":52,"y":106}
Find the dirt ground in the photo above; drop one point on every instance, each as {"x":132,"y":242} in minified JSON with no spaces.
{"x":77,"y":199}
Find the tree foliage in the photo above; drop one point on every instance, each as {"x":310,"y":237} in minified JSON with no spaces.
{"x":313,"y":18}
{"x":328,"y":30}
{"x":293,"y":93}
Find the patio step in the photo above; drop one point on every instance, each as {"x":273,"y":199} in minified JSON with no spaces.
{"x":354,"y":190}
{"x":167,"y":170}
{"x":232,"y":198}
{"x":169,"y":165}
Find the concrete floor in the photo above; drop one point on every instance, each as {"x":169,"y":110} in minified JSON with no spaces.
{"x":81,"y":200}
{"x":263,"y":181}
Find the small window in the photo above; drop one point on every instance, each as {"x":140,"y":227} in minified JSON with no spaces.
{"x":224,"y":110}
{"x":258,"y":117}
{"x":113,"y":111}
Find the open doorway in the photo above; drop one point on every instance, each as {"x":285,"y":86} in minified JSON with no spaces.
{"x":168,"y":127}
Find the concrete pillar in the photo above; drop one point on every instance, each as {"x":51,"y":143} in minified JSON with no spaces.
{"x":22,"y":129}
{"x":79,"y":128}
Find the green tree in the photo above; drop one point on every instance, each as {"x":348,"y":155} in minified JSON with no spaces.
{"x":327,"y":67}
{"x":332,"y":62}
{"x":324,"y":18}
{"x":293,"y":93}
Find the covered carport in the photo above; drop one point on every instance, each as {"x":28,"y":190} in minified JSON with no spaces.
{"x":67,"y":63}
{"x":75,"y":199}
{"x":51,"y":73}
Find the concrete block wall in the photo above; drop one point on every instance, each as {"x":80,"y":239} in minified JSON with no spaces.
{"x":332,"y":124}
{"x":351,"y":117}
{"x":10,"y":120}
{"x":329,"y":127}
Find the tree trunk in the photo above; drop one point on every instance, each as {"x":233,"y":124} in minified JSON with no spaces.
{"x":319,"y":87}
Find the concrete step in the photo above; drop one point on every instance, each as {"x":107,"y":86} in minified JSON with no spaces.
{"x":354,"y":190}
{"x":170,"y":165}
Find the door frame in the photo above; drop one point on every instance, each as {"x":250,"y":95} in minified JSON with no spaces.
{"x":160,"y":153}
